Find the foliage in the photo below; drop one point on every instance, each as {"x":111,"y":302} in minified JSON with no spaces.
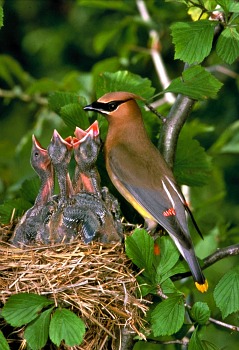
{"x":37,"y":312}
{"x":64,"y":55}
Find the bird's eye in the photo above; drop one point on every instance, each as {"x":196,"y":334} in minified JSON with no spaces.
{"x":112,"y":106}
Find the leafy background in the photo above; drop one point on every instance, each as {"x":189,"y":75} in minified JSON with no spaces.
{"x":67,"y":46}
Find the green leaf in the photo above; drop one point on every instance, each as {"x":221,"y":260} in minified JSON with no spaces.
{"x":74,"y":115}
{"x":196,"y":83}
{"x":22,"y":308}
{"x":228,"y":141}
{"x":169,"y":256}
{"x":168,"y":287}
{"x":42,"y":86}
{"x":168,"y":316}
{"x":35,"y":339}
{"x":228,"y":45}
{"x":140,"y":249}
{"x":59,"y":99}
{"x":103,"y":39}
{"x":30,"y":188}
{"x":1,"y":16}
{"x":200,"y":312}
{"x":106,"y":4}
{"x":196,"y":343}
{"x":65,"y":325}
{"x":234,"y":7}
{"x":226,"y":293}
{"x":209,"y":346}
{"x":112,"y":64}
{"x":146,"y":286}
{"x":124,"y":81}
{"x":228,"y":5}
{"x":3,"y":342}
{"x":192,"y":165}
{"x":12,"y":72}
{"x":18,"y":206}
{"x":193,"y":41}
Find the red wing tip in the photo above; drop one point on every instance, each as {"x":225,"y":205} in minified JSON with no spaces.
{"x":169,"y":212}
{"x":202,"y":287}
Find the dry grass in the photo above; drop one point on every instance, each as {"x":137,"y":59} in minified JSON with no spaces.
{"x":96,"y":281}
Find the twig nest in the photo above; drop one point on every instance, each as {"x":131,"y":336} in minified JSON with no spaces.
{"x":97,"y":281}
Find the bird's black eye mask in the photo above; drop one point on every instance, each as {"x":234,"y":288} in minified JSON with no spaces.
{"x":102,"y":107}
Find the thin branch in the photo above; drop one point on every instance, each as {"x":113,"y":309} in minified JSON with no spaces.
{"x":18,"y":93}
{"x":212,"y":320}
{"x":212,"y":259}
{"x":171,"y":128}
{"x":220,"y":254}
{"x":223,"y":324}
{"x":154,"y":50}
{"x":170,"y":342}
{"x":223,"y":70}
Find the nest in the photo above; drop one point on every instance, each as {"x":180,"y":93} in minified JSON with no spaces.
{"x":96,"y":281}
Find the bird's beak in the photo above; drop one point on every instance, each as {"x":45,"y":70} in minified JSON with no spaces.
{"x":94,"y":128}
{"x":37,"y":144}
{"x":57,"y":139}
{"x":96,"y":107}
{"x":89,"y":108}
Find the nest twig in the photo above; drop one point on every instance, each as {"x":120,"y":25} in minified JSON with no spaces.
{"x":97,"y":281}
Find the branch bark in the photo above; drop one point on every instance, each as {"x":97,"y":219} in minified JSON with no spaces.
{"x":212,"y":320}
{"x":219,"y":254}
{"x":18,"y":93}
{"x":154,"y":51}
{"x":172,"y":126}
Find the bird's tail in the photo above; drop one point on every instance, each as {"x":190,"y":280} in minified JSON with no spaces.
{"x":198,"y":276}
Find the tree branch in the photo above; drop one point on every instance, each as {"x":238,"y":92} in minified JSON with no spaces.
{"x":154,"y":51}
{"x":18,"y":93}
{"x":212,"y":259}
{"x":212,"y":320}
{"x":219,"y":254}
{"x":171,"y":128}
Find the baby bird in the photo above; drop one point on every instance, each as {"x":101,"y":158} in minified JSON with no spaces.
{"x":60,"y":153}
{"x":26,"y":230}
{"x":88,"y":217}
{"x":86,"y":147}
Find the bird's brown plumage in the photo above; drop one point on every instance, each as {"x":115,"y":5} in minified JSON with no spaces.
{"x":142,"y":176}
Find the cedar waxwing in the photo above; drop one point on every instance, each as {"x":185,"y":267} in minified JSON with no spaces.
{"x":141,"y":175}
{"x":59,"y":151}
{"x":26,"y":230}
{"x":86,"y":147}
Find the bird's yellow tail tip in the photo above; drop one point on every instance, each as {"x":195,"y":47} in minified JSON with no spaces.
{"x":202,"y":287}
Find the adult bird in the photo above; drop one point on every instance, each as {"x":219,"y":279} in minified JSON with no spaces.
{"x":141,"y":175}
